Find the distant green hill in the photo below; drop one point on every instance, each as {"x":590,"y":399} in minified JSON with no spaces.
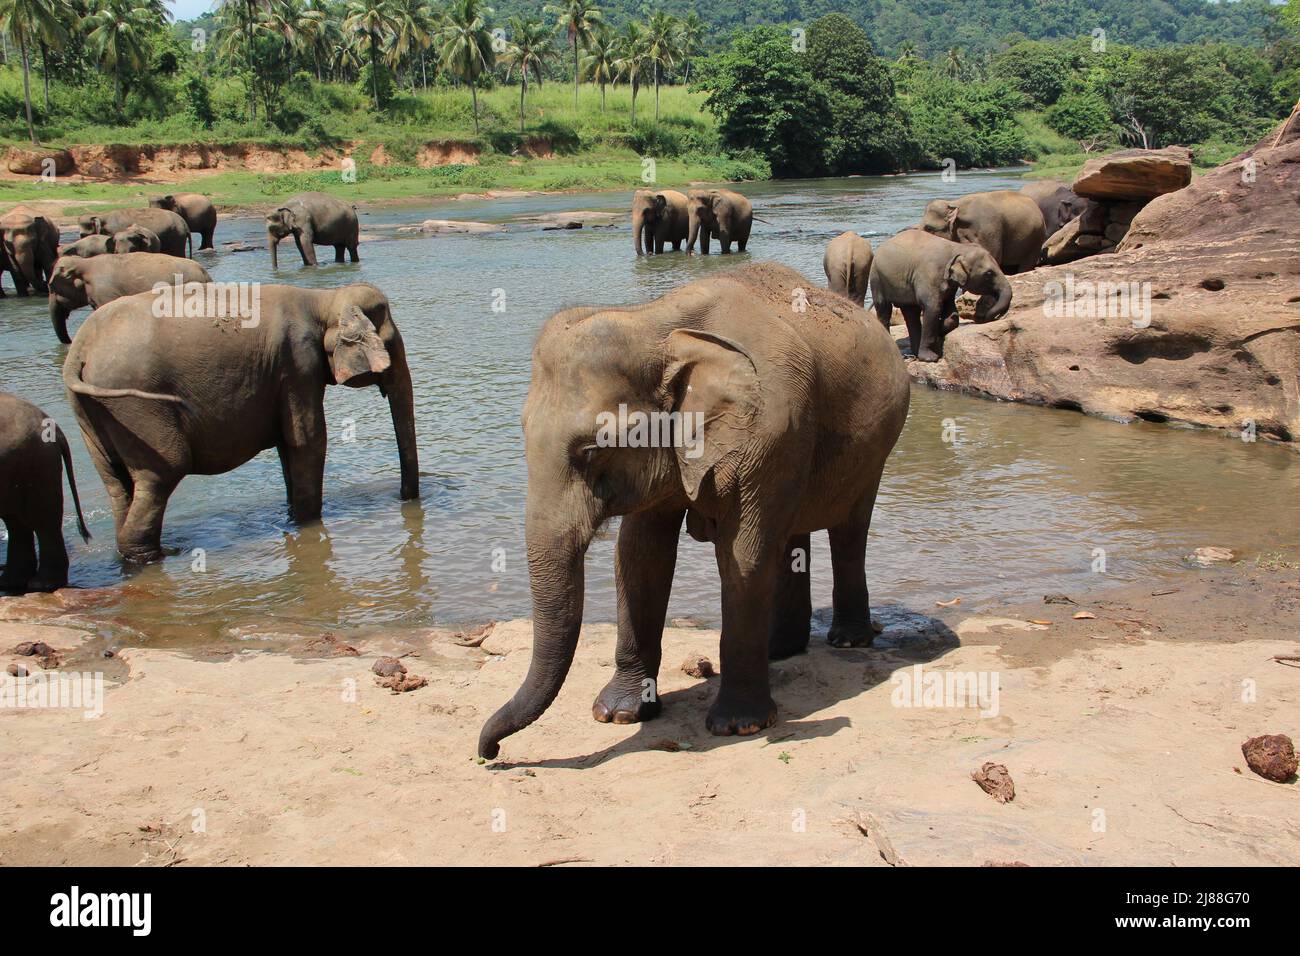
{"x":935,"y":26}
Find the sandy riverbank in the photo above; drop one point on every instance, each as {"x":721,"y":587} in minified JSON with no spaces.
{"x":1122,"y":734}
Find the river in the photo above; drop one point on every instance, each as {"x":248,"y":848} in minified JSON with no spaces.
{"x":981,"y":500}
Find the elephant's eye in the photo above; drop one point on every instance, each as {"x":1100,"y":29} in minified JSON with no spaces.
{"x":582,"y":452}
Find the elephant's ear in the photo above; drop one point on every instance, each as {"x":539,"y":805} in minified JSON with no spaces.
{"x":353,"y":347}
{"x":713,"y":383}
{"x":958,"y":271}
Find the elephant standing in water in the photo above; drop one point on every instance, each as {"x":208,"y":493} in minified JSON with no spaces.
{"x":1006,"y":223}
{"x":847,"y":264}
{"x":197,"y":211}
{"x":31,"y":245}
{"x":314,"y":219}
{"x":172,"y":232}
{"x":78,"y":282}
{"x":33,"y":455}
{"x":719,"y":213}
{"x":921,"y":273}
{"x":658,"y":217}
{"x":766,"y":423}
{"x":159,"y":397}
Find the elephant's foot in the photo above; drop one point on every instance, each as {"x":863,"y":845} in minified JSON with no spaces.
{"x":852,"y":633}
{"x":143,"y":555}
{"x":787,"y":641}
{"x":624,"y":701}
{"x":733,"y":714}
{"x":927,"y":355}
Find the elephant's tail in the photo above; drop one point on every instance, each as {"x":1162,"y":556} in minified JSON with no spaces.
{"x":72,"y":484}
{"x":765,"y":222}
{"x":72,"y":381}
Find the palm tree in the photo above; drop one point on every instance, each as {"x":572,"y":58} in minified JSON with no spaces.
{"x":953,"y":63}
{"x":661,"y":47}
{"x":691,"y":38}
{"x":633,"y":58}
{"x":297,"y":24}
{"x":600,"y":65}
{"x":373,"y":20}
{"x":465,"y":44}
{"x":240,"y":19}
{"x":906,"y":51}
{"x":413,"y":31}
{"x":577,"y":18}
{"x":27,"y":21}
{"x":529,"y":47}
{"x":117,"y":34}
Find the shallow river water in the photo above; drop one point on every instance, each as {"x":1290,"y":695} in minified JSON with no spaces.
{"x":1015,"y":505}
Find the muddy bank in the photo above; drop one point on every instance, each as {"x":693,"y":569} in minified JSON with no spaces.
{"x":1210,"y":336}
{"x":1121,"y":731}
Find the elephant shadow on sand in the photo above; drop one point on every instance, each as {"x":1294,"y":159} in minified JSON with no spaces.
{"x":805,"y":684}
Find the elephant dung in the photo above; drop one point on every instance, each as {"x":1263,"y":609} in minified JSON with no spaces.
{"x":16,"y":670}
{"x":403,"y":683}
{"x":1272,"y":756}
{"x":1135,"y":174}
{"x":697,"y":666}
{"x":388,"y":666}
{"x":994,"y":780}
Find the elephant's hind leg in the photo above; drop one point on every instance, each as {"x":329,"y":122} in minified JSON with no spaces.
{"x":352,"y":251}
{"x":792,"y":603}
{"x":52,"y":568}
{"x":851,"y":625}
{"x":339,"y":252}
{"x":140,"y":539}
{"x":20,"y":558}
{"x":644,"y":561}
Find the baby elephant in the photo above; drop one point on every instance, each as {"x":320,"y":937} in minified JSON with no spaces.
{"x":33,"y":453}
{"x":847,"y":264}
{"x":78,"y":282}
{"x":750,"y":406}
{"x":87,"y":247}
{"x":134,"y":239}
{"x":921,"y":273}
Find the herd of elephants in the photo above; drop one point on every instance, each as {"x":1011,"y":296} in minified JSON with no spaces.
{"x":802,"y":398}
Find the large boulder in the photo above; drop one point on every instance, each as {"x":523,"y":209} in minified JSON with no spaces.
{"x":1209,"y":329}
{"x":1135,"y":174}
{"x":35,"y":161}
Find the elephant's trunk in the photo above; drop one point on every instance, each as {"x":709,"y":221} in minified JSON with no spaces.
{"x":401,"y":403}
{"x":556,"y":552}
{"x":273,"y":241}
{"x":638,"y":229}
{"x":692,"y":231}
{"x":993,"y":305}
{"x":59,"y":312}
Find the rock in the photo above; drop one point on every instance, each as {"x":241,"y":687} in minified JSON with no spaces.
{"x":1091,"y":243}
{"x":35,"y":162}
{"x":994,"y":780}
{"x":16,"y":670}
{"x":1062,"y":245}
{"x":1115,"y":233}
{"x":33,"y":649}
{"x":570,"y":220}
{"x":1135,"y":173}
{"x":403,"y":683}
{"x":388,"y":666}
{"x":696,"y":666}
{"x":449,"y":227}
{"x":1180,"y":352}
{"x":1207,"y":556}
{"x":329,"y":646}
{"x":1272,"y":756}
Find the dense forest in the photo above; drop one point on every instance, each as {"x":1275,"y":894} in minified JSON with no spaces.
{"x":885,"y":86}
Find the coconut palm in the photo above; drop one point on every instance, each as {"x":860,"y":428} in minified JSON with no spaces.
{"x":373,"y":21}
{"x":465,"y":44}
{"x":600,"y":65}
{"x":661,"y":47}
{"x":633,"y":58}
{"x":27,"y":22}
{"x":297,"y":24}
{"x":240,"y":20}
{"x":117,"y":33}
{"x":691,"y":38}
{"x":412,"y":33}
{"x":529,"y":47}
{"x":953,"y":64}
{"x":577,"y":18}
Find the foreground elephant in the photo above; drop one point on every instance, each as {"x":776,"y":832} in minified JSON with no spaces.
{"x":197,"y":211}
{"x":159,"y":397}
{"x":314,"y":219}
{"x":1057,"y":203}
{"x":847,"y":264}
{"x":770,"y":422}
{"x":658,"y":217}
{"x":721,"y":214}
{"x":921,"y":273}
{"x":78,"y":282}
{"x":31,"y":244}
{"x":1008,"y":224}
{"x":172,"y":232}
{"x":33,"y":456}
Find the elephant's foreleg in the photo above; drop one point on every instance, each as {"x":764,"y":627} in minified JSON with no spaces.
{"x":306,"y":249}
{"x":912,"y":318}
{"x":20,"y":557}
{"x":352,"y":251}
{"x":339,"y":251}
{"x":792,"y":604}
{"x":304,"y":470}
{"x":749,"y":567}
{"x":932,"y":333}
{"x":644,"y":560}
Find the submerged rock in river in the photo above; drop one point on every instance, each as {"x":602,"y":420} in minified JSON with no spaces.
{"x":1195,"y":318}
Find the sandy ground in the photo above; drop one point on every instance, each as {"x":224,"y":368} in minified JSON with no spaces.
{"x":1121,"y":733}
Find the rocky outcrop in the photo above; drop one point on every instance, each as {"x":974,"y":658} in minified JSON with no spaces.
{"x":1194,"y":319}
{"x":1131,"y":174}
{"x":40,"y":162}
{"x":451,"y":227}
{"x":1100,"y":228}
